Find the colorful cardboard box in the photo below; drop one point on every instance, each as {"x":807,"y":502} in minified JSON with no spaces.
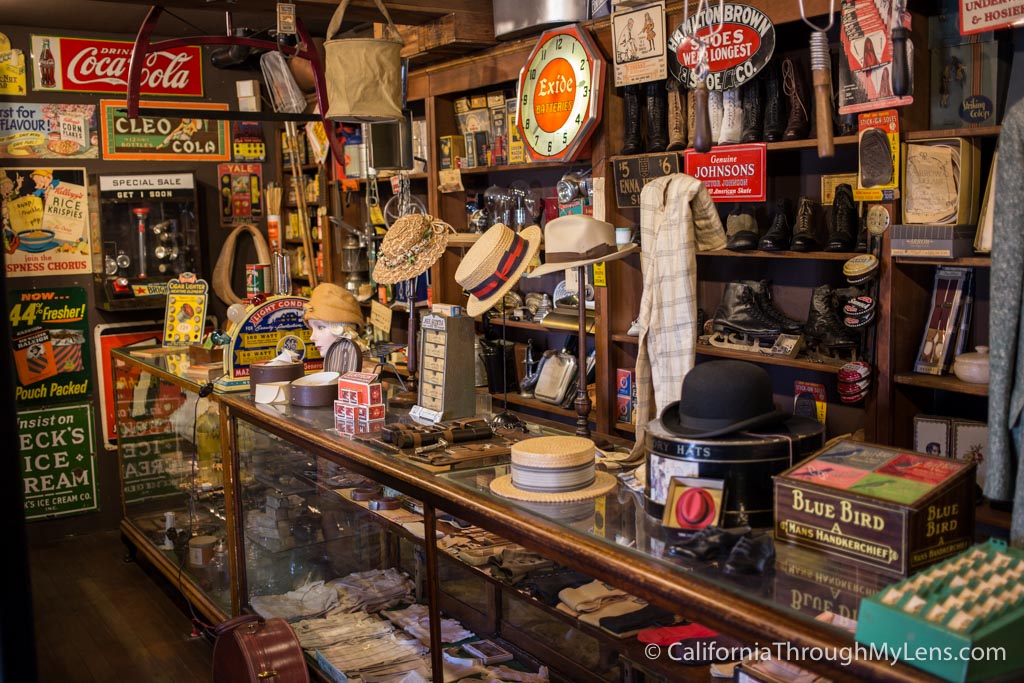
{"x":894,"y":511}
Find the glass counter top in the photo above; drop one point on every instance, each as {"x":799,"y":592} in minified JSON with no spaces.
{"x":611,"y":537}
{"x":171,"y":363}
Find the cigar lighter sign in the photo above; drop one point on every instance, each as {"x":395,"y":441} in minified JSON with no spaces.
{"x":734,"y":173}
{"x":91,"y":65}
{"x":58,"y":461}
{"x":733,"y":42}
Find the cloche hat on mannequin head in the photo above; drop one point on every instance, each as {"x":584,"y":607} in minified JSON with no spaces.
{"x":333,"y":304}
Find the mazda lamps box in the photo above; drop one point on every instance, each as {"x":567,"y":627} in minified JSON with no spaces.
{"x":894,"y":511}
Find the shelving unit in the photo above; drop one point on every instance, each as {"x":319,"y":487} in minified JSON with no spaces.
{"x":941,"y":383}
{"x":768,"y":359}
{"x":322,"y":243}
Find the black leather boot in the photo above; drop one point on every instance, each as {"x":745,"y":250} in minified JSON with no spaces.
{"x":741,"y":229}
{"x":824,"y":331}
{"x":807,"y":236}
{"x":762,"y":290}
{"x":843,"y":225}
{"x":738,"y":314}
{"x":631,"y":143}
{"x":753,"y":110}
{"x":779,"y":233}
{"x":774,"y":103}
{"x":794,"y":86}
{"x":657,"y":105}
{"x":676,"y":115}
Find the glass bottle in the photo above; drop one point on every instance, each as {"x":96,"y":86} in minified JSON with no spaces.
{"x":47,"y":66}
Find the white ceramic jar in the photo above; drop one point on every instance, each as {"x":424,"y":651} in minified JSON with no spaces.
{"x":972,"y":367}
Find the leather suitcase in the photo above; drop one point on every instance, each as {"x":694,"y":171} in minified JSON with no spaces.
{"x":253,"y":650}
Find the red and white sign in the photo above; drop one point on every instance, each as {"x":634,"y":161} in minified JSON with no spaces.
{"x":732,"y":173}
{"x":91,"y":65}
{"x":735,"y":40}
{"x":978,"y":16}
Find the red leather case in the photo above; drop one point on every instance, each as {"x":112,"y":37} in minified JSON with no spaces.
{"x":252,"y":650}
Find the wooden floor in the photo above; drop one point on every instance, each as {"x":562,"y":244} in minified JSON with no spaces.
{"x":98,"y":618}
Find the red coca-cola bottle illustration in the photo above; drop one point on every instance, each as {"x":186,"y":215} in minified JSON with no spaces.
{"x":47,"y":66}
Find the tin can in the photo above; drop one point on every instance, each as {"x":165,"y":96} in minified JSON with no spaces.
{"x":257,"y":279}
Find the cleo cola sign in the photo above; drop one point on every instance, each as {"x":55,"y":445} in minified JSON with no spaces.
{"x":91,"y":65}
{"x":738,"y":41}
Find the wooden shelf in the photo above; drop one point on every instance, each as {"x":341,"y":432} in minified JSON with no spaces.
{"x":983,"y":131}
{"x":626,"y":339}
{"x":802,"y":363}
{"x":940,"y":382}
{"x":809,"y":143}
{"x":480,"y":170}
{"x":463,"y":239}
{"x":297,"y":240}
{"x":802,"y":255}
{"x":625,"y":427}
{"x":985,"y":515}
{"x":305,"y":167}
{"x":411,"y":176}
{"x":535,"y":327}
{"x":294,"y":205}
{"x":966,"y":261}
{"x":514,"y":399}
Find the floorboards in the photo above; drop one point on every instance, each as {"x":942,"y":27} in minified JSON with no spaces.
{"x":98,"y":618}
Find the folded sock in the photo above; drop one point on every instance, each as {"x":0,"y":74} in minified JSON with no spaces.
{"x":646,"y":616}
{"x":590,"y":597}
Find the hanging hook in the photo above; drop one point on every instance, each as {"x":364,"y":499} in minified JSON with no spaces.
{"x":815,"y":27}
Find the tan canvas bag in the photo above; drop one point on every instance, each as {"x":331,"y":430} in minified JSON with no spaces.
{"x":364,"y":75}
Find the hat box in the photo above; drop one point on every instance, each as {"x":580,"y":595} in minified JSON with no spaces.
{"x":746,"y":461}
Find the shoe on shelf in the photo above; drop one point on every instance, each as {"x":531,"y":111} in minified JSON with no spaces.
{"x":750,"y":555}
{"x":779,"y":233}
{"x":741,"y":229}
{"x":732,"y":118}
{"x":716,"y":111}
{"x":634,"y":328}
{"x":710,"y":542}
{"x":808,"y":235}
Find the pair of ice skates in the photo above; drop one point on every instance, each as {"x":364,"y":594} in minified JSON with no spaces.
{"x":748,"y":320}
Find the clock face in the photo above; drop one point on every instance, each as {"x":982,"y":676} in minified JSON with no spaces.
{"x":560,"y":91}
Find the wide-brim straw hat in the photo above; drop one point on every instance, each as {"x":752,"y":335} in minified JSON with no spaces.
{"x":333,"y":304}
{"x":411,"y":246}
{"x":557,"y":451}
{"x":494,"y":265}
{"x":578,"y":240}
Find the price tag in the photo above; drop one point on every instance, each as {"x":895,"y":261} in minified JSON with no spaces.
{"x":286,"y":18}
{"x":572,"y":281}
{"x":451,"y":180}
{"x":396,"y":183}
{"x":600,"y":275}
{"x":380,"y":316}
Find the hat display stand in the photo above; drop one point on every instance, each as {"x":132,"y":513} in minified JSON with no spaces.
{"x":583,"y":404}
{"x":408,"y":396}
{"x":506,"y":419}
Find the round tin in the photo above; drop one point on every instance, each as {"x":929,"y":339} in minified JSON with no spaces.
{"x":860,"y":268}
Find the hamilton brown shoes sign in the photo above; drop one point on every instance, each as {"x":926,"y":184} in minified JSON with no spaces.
{"x":735,"y":40}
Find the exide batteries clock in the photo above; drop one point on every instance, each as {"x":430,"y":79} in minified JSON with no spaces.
{"x":560,"y":94}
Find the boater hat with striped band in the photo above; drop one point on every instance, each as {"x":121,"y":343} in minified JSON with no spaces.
{"x":494,"y":265}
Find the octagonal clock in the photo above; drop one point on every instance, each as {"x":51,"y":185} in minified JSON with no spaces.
{"x":561,"y":91}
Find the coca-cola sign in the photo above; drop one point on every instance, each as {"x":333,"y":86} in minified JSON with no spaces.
{"x":90,"y":65}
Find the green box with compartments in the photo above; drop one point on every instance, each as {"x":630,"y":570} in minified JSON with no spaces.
{"x":961,"y":620}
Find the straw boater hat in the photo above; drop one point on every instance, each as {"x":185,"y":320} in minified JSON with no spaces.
{"x":578,"y":240}
{"x":333,"y":304}
{"x":412,"y":245}
{"x":494,"y":265}
{"x":553,"y":469}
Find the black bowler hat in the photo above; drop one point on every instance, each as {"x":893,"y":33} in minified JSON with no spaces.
{"x":720,"y":397}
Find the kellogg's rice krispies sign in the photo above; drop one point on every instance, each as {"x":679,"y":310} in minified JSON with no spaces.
{"x":45,"y":221}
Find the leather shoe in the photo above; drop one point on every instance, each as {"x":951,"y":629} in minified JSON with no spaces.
{"x":709,"y":543}
{"x":741,"y":229}
{"x":780,"y":233}
{"x":750,"y":555}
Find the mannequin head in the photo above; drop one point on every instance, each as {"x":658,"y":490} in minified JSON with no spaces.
{"x":333,"y":315}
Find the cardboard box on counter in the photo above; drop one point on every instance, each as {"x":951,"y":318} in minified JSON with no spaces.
{"x":894,"y":511}
{"x":932,"y":241}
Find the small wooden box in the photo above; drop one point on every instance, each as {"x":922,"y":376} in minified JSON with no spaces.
{"x":892,"y":510}
{"x":453,"y":148}
{"x":197,"y":353}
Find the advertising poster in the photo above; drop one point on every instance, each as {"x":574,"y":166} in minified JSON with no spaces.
{"x":737,"y":41}
{"x":638,"y":34}
{"x":186,"y":310}
{"x":164,"y":138}
{"x":58,"y":463}
{"x":48,"y":131}
{"x":151,"y":449}
{"x":241,"y":192}
{"x":732,"y":173}
{"x":94,"y":65}
{"x":106,"y":338}
{"x":45,"y":221}
{"x":12,"y":69}
{"x":50,"y":341}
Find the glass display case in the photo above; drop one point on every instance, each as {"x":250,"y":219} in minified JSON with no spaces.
{"x":172,"y":477}
{"x":459,"y":573}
